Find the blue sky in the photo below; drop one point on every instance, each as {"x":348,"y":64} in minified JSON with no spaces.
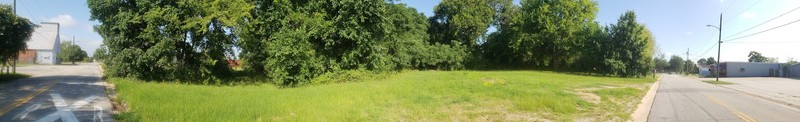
{"x":680,"y":24}
{"x":72,"y":14}
{"x":676,"y":24}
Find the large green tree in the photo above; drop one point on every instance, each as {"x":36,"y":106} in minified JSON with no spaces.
{"x":661,"y":62}
{"x":294,"y":41}
{"x":71,"y":52}
{"x":150,"y":39}
{"x":14,"y":34}
{"x":632,"y":44}
{"x":100,"y":53}
{"x":460,"y":22}
{"x":676,"y":64}
{"x":550,"y":30}
{"x":754,"y":56}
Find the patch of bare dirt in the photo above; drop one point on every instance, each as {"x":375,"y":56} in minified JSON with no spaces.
{"x":487,"y":111}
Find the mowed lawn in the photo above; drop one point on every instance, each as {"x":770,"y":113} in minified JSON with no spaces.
{"x":405,"y":96}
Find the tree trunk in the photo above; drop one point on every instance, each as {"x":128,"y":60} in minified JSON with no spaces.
{"x":14,"y":67}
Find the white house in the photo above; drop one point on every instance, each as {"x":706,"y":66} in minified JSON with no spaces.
{"x":45,"y":43}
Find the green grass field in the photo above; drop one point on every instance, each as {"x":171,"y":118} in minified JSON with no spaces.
{"x":9,"y":77}
{"x":405,"y":96}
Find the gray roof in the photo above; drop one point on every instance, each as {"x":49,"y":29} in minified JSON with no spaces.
{"x":44,"y":37}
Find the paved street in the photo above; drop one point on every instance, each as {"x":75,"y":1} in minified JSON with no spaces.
{"x":66,"y":93}
{"x":783,"y":90}
{"x":687,"y":99}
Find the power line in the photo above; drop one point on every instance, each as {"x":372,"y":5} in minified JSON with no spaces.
{"x":748,"y":8}
{"x":770,"y":42}
{"x":763,"y":23}
{"x":709,"y":49}
{"x":763,"y":31}
{"x":726,"y":9}
{"x":707,"y":46}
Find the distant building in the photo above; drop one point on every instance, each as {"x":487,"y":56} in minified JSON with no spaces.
{"x":43,"y":46}
{"x":750,"y":69}
{"x":704,"y":70}
{"x":794,"y":71}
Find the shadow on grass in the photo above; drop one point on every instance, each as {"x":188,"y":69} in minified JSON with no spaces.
{"x":236,"y":78}
{"x":11,"y":77}
{"x":563,"y":71}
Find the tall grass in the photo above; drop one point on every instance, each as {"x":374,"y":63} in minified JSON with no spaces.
{"x":405,"y":96}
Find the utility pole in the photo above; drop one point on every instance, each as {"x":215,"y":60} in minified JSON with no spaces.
{"x":687,"y":61}
{"x":719,"y":46}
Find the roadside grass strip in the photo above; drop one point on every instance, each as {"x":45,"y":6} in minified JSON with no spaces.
{"x":718,"y":82}
{"x":405,"y":96}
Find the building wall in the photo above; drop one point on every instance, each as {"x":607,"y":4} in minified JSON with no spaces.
{"x":794,"y":71}
{"x":26,"y":57}
{"x":749,"y":69}
{"x":45,"y":57}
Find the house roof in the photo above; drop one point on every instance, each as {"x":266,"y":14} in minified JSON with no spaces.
{"x":44,"y":37}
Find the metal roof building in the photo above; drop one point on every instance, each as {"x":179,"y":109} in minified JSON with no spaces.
{"x":750,"y":69}
{"x":794,"y":71}
{"x":45,"y":44}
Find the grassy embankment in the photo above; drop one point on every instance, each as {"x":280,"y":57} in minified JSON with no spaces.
{"x":9,"y":77}
{"x":406,"y":96}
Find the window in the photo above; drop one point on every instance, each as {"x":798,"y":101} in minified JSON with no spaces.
{"x":741,"y":69}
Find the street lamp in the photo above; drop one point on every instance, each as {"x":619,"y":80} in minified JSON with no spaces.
{"x":718,"y":45}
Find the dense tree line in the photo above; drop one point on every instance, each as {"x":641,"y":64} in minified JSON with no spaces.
{"x":292,"y":42}
{"x":71,"y":53}
{"x":562,"y":35}
{"x":14,"y":34}
{"x":176,"y":39}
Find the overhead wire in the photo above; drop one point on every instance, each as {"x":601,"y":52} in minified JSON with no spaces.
{"x":740,"y":32}
{"x":31,"y":14}
{"x":740,"y":12}
{"x":770,"y":29}
{"x":726,"y":9}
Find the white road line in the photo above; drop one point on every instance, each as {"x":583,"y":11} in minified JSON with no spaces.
{"x":63,"y":110}
{"x":98,"y":114}
{"x":54,"y":116}
{"x":25,"y":112}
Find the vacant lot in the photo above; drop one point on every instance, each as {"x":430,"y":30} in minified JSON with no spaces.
{"x":406,"y":96}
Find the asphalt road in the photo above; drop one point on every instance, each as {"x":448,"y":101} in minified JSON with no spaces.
{"x":681,"y":99}
{"x":67,"y":93}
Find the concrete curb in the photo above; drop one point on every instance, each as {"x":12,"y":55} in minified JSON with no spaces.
{"x":111,"y":92}
{"x":643,"y":109}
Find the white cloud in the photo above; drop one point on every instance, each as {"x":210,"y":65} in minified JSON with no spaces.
{"x":747,"y":15}
{"x":689,"y":33}
{"x":65,"y":20}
